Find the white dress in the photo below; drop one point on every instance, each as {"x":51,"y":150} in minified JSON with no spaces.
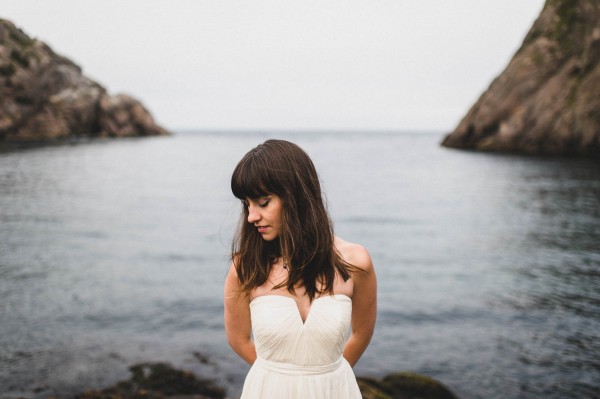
{"x":297,"y":359}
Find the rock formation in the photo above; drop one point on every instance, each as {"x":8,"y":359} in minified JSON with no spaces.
{"x":163,"y":381}
{"x":44,"y":96}
{"x":158,"y":381}
{"x":403,"y":385}
{"x":547,"y":100}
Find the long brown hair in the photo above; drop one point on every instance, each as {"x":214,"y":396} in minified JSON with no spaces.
{"x":305,"y":241}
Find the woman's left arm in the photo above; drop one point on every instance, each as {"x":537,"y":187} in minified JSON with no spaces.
{"x":364,"y":305}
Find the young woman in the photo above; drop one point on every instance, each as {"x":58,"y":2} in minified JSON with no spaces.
{"x":300,"y":303}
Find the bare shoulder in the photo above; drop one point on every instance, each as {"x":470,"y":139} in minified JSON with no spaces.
{"x":232,"y":282}
{"x":355,"y":254}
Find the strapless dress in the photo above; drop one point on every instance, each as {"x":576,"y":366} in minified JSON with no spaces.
{"x":300,"y":358}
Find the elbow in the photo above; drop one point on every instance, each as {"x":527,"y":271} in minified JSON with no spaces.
{"x":239,"y":344}
{"x":232,"y":340}
{"x":365,"y":332}
{"x":244,"y":348}
{"x":231,"y":343}
{"x":235,"y":343}
{"x":363,"y":337}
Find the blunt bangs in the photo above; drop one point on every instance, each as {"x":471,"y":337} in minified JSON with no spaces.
{"x":253,"y":178}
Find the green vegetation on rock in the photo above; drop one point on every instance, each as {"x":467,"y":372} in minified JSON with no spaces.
{"x":545,"y":101}
{"x":19,"y":57}
{"x":404,"y":385}
{"x":7,"y":69}
{"x":158,"y":381}
{"x":46,"y":97}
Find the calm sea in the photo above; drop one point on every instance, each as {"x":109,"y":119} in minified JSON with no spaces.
{"x":114,"y":252}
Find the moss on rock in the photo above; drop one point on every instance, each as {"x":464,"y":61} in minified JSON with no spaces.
{"x":535,"y":105}
{"x":404,"y":385}
{"x":46,"y":97}
{"x":158,"y":381}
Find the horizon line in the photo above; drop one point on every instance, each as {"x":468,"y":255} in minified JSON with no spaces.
{"x":305,"y":131}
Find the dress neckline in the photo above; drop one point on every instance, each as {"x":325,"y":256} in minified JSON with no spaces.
{"x":303,"y":320}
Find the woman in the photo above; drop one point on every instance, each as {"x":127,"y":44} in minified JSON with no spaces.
{"x":300,"y":303}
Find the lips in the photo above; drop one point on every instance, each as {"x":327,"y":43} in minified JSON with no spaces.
{"x":262,"y":229}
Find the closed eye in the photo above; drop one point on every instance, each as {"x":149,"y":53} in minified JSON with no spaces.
{"x":261,"y":203}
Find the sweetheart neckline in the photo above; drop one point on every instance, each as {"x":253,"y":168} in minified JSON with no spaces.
{"x":296,"y":303}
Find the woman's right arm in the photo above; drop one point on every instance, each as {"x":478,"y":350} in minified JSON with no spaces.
{"x":238,"y":326}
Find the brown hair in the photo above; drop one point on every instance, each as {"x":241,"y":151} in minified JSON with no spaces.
{"x":306,"y":240}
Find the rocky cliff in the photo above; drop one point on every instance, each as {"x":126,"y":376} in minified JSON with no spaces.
{"x":44,"y":96}
{"x":547,"y":100}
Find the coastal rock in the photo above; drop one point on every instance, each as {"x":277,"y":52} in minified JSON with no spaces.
{"x":44,"y":96}
{"x":162,"y":381}
{"x":547,"y":100}
{"x":403,"y":385}
{"x":122,"y":115}
{"x":159,"y":381}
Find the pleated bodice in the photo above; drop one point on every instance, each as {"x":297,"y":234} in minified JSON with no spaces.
{"x":281,"y":335}
{"x":299,"y":359}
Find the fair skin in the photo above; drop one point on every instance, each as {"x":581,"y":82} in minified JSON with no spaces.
{"x":265,"y":214}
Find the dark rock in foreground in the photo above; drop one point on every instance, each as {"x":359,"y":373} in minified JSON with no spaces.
{"x":547,"y":100}
{"x":44,"y":96}
{"x":158,"y":381}
{"x":162,"y":381}
{"x":404,"y":385}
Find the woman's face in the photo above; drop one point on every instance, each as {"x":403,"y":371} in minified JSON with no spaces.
{"x":265,"y":214}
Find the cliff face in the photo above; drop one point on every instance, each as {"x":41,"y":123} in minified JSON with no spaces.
{"x":44,"y":96}
{"x":547,"y":100}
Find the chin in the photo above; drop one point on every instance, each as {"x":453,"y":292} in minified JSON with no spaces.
{"x":270,"y":237}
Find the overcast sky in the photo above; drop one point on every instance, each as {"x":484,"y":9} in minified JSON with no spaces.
{"x":280,"y":64}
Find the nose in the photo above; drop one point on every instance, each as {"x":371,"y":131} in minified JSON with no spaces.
{"x":253,"y":214}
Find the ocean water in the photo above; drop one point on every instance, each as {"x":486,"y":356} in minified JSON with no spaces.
{"x":114,"y":252}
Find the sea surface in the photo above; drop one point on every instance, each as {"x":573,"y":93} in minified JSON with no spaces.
{"x":114,"y":252}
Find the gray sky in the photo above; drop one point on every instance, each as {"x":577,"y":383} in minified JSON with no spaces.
{"x":280,"y":64}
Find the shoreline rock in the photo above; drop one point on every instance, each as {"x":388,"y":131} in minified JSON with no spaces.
{"x":403,"y":385}
{"x":547,"y":100}
{"x":158,"y":381}
{"x":162,"y":381}
{"x":45,"y":97}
